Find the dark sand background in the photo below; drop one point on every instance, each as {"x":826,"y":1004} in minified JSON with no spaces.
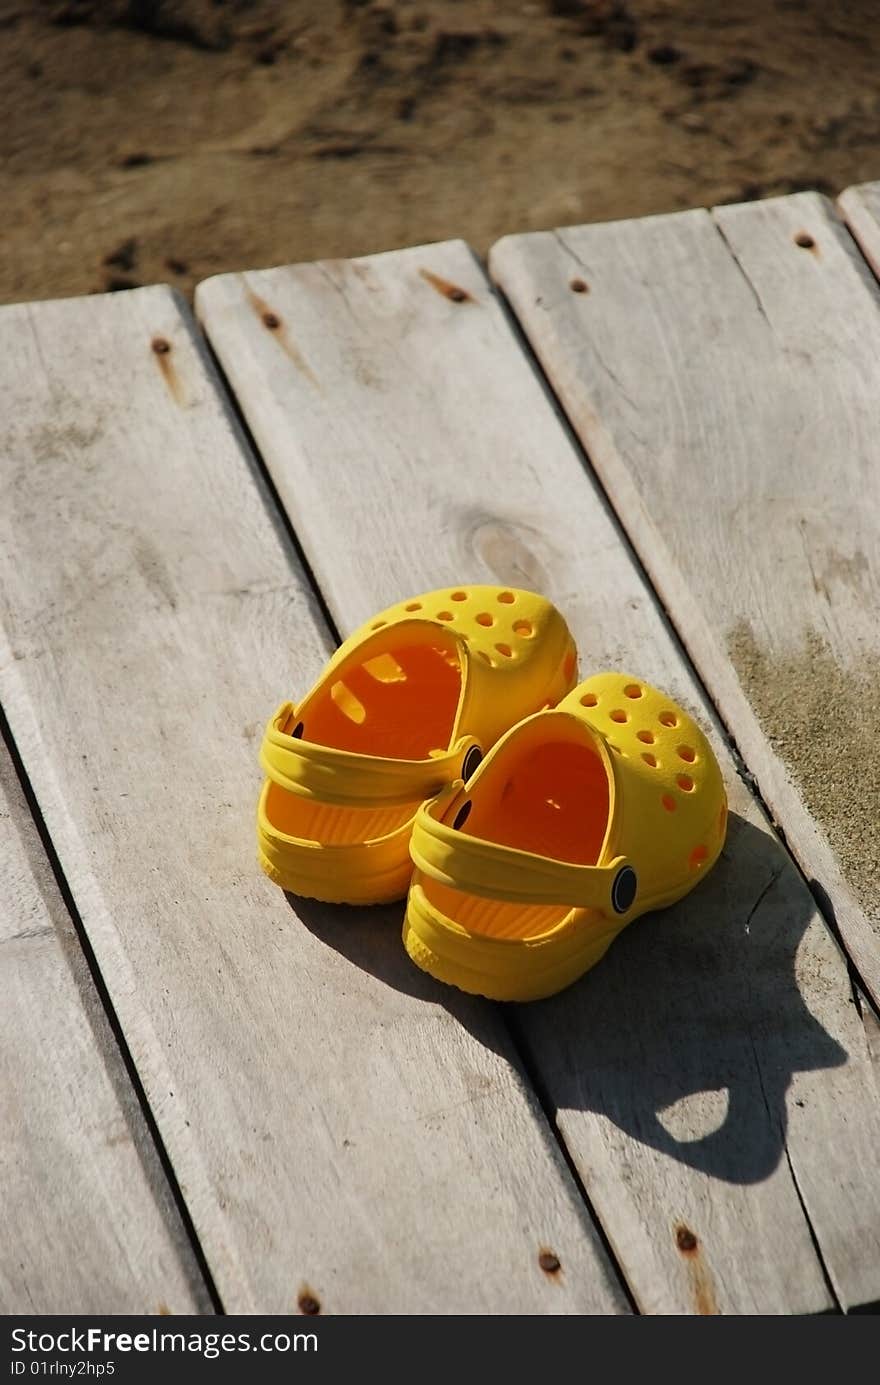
{"x":165,"y":140}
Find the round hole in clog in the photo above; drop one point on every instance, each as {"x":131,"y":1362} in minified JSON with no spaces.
{"x":650,"y":759}
{"x":506,"y":598}
{"x":445,"y":615}
{"x":484,"y":618}
{"x":471,"y":761}
{"x":632,"y":690}
{"x":458,"y":596}
{"x":505,"y":649}
{"x":377,"y":625}
{"x":414,"y":606}
{"x":669,"y":803}
{"x":668,"y":719}
{"x":619,"y":715}
{"x":523,"y":628}
{"x":589,"y":700}
{"x":685,"y":783}
{"x":646,"y":737}
{"x":687,"y":753}
{"x":487,"y":659}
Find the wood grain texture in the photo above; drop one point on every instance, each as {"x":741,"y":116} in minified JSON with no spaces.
{"x":697,"y":1071}
{"x":722,"y":372}
{"x":335,"y":1128}
{"x":89,"y":1222}
{"x":860,"y":207}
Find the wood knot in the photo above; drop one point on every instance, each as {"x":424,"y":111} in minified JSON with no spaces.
{"x":160,"y":346}
{"x":549,"y":1262}
{"x":579,"y":286}
{"x":272,"y":321}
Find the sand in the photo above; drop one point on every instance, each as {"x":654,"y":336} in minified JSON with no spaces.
{"x":822,"y":721}
{"x":166,"y":140}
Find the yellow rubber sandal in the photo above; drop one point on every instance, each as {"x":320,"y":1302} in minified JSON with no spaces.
{"x":578,"y":821}
{"x":404,"y":708}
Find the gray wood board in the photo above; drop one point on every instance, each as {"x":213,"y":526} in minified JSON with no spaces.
{"x":722,"y":372}
{"x":699,"y":1072}
{"x":89,"y":1222}
{"x":337,"y":1131}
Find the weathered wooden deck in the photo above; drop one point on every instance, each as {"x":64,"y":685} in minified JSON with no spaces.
{"x":211,"y":1097}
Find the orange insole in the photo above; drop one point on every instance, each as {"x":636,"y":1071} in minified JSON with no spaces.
{"x":400,"y":705}
{"x":552,"y":800}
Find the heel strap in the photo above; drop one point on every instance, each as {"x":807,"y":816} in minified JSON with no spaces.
{"x":344,"y":778}
{"x":493,"y":871}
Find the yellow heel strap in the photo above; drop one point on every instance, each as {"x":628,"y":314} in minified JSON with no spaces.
{"x":350,"y":780}
{"x":494,"y":871}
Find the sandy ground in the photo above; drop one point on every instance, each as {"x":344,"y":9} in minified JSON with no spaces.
{"x":165,"y":140}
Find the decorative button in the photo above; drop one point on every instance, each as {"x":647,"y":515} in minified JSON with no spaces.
{"x":623,"y":891}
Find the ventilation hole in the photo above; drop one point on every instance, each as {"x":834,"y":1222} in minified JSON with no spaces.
{"x":804,"y":240}
{"x":589,"y":700}
{"x":505,"y":649}
{"x":461,"y":816}
{"x":668,"y":719}
{"x":697,"y":857}
{"x":486,"y":658}
{"x":472,"y":761}
{"x":414,"y":606}
{"x":349,"y":705}
{"x":385,"y":669}
{"x":445,"y":615}
{"x":458,"y":596}
{"x":298,"y":731}
{"x":523,"y":628}
{"x":377,"y":625}
{"x":484,"y":618}
{"x":685,"y":783}
{"x":668,"y":803}
{"x":506,"y":598}
{"x":646,"y":737}
{"x":722,"y":820}
{"x":687,"y":753}
{"x":619,"y":715}
{"x":632,"y":690}
{"x":649,"y":759}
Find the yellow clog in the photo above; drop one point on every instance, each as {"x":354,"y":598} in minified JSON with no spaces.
{"x":404,"y":708}
{"x":578,"y":821}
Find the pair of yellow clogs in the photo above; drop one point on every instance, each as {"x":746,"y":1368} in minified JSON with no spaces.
{"x":446,"y":751}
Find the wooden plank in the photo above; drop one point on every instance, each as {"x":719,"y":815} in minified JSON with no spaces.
{"x":89,"y":1222}
{"x":861,"y":208}
{"x":415,"y":389}
{"x":736,"y":433}
{"x":330,"y":1122}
